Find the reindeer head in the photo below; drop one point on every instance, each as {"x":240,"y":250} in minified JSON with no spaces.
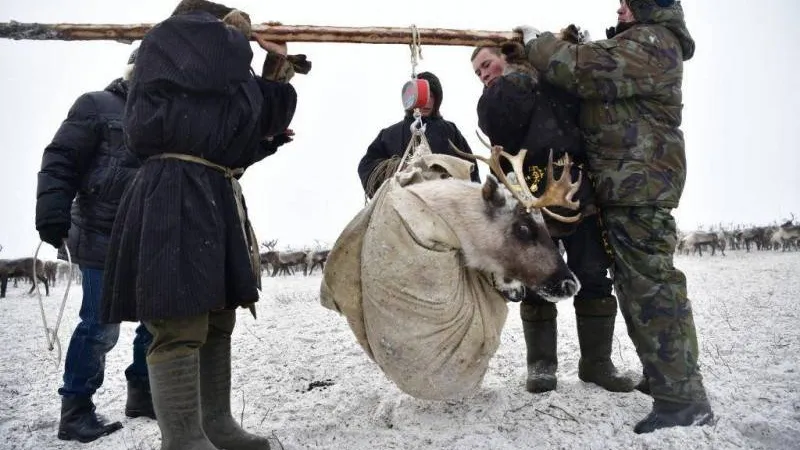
{"x":501,"y":228}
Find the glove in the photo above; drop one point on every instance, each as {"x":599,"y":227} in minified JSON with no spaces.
{"x":529,"y":33}
{"x":300,"y":63}
{"x":54,"y":234}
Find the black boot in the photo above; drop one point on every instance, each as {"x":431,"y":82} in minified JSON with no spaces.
{"x":643,"y":385}
{"x":79,"y":422}
{"x":667,"y":414}
{"x":176,"y":400}
{"x":140,"y":401}
{"x":215,"y":388}
{"x":540,"y":340}
{"x":595,"y":335}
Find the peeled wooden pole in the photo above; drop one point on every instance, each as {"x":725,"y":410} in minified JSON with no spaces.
{"x":274,"y":32}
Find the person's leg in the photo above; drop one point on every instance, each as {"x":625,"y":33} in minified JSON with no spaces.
{"x":541,"y":333}
{"x":173,"y":362}
{"x":653,"y":300}
{"x":215,"y":391}
{"x":140,"y":402}
{"x":84,"y":366}
{"x":595,"y":306}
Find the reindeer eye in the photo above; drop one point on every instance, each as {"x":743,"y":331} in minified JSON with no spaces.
{"x":524,"y":232}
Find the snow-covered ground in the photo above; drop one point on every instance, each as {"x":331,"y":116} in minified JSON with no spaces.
{"x":299,"y":373}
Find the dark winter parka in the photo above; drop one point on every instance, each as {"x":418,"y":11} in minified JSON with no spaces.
{"x":519,"y":112}
{"x":177,"y":248}
{"x":86,"y":162}
{"x":391,"y":142}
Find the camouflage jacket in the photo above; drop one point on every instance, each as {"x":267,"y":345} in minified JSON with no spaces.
{"x":631,"y":110}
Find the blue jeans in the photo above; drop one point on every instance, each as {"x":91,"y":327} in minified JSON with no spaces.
{"x":85,"y":363}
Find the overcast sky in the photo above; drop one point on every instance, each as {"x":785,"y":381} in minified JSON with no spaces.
{"x":740,"y":95}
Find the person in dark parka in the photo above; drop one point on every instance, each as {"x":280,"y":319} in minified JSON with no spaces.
{"x":183,"y":247}
{"x":384,"y":153}
{"x":87,"y":162}
{"x":518,"y":111}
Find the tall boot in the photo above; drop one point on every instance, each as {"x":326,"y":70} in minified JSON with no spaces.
{"x":140,"y":400}
{"x":595,"y":335}
{"x":540,"y":340}
{"x":176,"y":400}
{"x":215,"y":382}
{"x":79,"y":422}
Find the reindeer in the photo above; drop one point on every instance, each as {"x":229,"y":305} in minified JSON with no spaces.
{"x":501,"y":227}
{"x":786,"y":236}
{"x":10,"y":268}
{"x":316,"y":258}
{"x":50,"y":271}
{"x":697,"y":239}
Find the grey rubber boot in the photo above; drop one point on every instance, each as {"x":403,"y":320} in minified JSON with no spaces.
{"x":175,"y":386}
{"x":540,"y":341}
{"x":215,"y":388}
{"x":595,"y":335}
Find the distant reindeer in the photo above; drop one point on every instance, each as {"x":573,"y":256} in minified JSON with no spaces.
{"x":695,"y":241}
{"x":50,"y":271}
{"x":316,"y":258}
{"x":11,"y":268}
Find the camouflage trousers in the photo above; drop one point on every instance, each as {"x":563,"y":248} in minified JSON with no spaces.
{"x":653,"y":300}
{"x":176,"y":338}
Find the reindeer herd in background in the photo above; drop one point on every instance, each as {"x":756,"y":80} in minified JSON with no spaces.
{"x":783,"y":237}
{"x":285,"y":262}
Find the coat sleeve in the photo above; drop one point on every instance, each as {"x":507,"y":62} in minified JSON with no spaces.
{"x":376,"y":153}
{"x":463,"y":145}
{"x":64,"y":161}
{"x":606,"y":70}
{"x":280,"y":102}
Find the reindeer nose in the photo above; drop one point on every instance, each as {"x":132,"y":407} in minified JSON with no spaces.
{"x":570,"y":287}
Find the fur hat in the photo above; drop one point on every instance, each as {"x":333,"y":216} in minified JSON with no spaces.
{"x":643,"y":9}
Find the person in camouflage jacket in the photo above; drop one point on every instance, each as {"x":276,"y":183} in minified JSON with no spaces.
{"x":630,"y":86}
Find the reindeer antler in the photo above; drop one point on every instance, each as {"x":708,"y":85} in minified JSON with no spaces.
{"x":558,"y":192}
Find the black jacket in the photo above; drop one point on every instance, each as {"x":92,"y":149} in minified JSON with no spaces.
{"x":517,"y":112}
{"x":392,"y":142}
{"x":87,"y":162}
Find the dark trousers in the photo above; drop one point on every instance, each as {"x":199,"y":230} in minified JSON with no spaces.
{"x":84,"y":365}
{"x":588,"y":258}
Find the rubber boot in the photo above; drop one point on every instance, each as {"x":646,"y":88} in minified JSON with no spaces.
{"x":176,"y":401}
{"x":595,"y":335}
{"x":540,"y":340}
{"x":79,"y":421}
{"x":140,"y":401}
{"x":215,"y":382}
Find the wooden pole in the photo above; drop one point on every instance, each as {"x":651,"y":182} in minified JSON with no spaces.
{"x":270,"y":31}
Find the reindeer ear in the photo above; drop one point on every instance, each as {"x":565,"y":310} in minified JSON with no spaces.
{"x":492,"y":194}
